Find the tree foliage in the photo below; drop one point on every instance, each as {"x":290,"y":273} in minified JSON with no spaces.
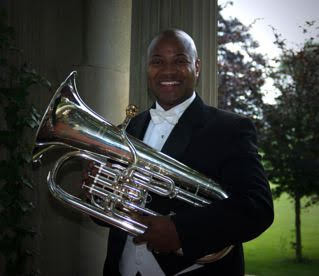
{"x":241,"y":69}
{"x":291,"y":131}
{"x":290,"y":128}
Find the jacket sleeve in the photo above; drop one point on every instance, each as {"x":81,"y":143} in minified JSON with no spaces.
{"x":244,"y":215}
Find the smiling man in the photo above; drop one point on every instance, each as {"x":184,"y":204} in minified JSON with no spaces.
{"x":173,"y":68}
{"x":218,"y":144}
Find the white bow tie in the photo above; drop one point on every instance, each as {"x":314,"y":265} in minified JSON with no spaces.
{"x":159,"y":116}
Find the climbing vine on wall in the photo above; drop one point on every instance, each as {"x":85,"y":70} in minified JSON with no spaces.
{"x":17,"y":117}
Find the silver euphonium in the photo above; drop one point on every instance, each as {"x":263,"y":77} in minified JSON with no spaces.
{"x":128,"y":170}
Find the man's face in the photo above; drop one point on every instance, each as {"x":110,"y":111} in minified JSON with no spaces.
{"x":172,"y":70}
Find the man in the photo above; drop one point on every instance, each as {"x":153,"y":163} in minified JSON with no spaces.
{"x":218,"y":144}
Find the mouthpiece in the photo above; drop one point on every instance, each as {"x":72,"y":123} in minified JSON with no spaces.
{"x":131,"y":111}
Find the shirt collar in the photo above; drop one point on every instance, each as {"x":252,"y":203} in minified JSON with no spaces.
{"x":180,"y":108}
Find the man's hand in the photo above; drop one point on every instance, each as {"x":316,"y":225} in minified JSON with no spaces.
{"x":161,"y":235}
{"x":90,"y":169}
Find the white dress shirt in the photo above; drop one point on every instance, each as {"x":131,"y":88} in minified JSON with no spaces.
{"x":158,"y":131}
{"x":137,"y":257}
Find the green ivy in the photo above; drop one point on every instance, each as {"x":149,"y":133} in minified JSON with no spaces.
{"x":18,"y":116}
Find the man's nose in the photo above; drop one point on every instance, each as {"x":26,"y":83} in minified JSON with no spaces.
{"x":169,"y":68}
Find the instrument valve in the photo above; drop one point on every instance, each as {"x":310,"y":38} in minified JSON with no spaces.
{"x":173,"y":194}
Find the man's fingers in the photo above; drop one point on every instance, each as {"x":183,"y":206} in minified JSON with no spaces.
{"x":91,"y":164}
{"x":136,"y":216}
{"x":85,"y":175}
{"x":93,"y":171}
{"x":146,"y":220}
{"x":160,"y":236}
{"x":140,"y":239}
{"x":89,"y":170}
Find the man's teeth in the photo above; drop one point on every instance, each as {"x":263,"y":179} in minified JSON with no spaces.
{"x":169,"y":83}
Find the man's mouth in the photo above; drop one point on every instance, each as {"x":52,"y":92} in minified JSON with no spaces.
{"x":170,"y":83}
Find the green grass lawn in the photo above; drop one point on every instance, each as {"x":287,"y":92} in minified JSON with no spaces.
{"x":271,"y":254}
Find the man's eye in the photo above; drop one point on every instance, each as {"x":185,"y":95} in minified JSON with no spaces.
{"x":155,"y":62}
{"x":182,"y":61}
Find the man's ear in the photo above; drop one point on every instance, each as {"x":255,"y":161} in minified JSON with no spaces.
{"x":197,"y":67}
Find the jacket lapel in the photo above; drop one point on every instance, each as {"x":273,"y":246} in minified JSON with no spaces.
{"x":181,"y":134}
{"x":140,"y":125}
{"x":180,"y":137}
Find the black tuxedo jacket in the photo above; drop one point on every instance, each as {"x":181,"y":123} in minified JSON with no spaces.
{"x":222,"y":146}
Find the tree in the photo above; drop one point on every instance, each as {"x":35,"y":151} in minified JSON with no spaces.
{"x":241,"y":69}
{"x":291,"y":131}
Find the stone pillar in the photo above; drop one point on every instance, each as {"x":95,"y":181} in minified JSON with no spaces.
{"x":103,"y":85}
{"x":104,"y":68}
{"x":197,"y":17}
{"x":92,"y":37}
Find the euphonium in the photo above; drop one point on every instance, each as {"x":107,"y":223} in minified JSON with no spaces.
{"x":128,"y":169}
